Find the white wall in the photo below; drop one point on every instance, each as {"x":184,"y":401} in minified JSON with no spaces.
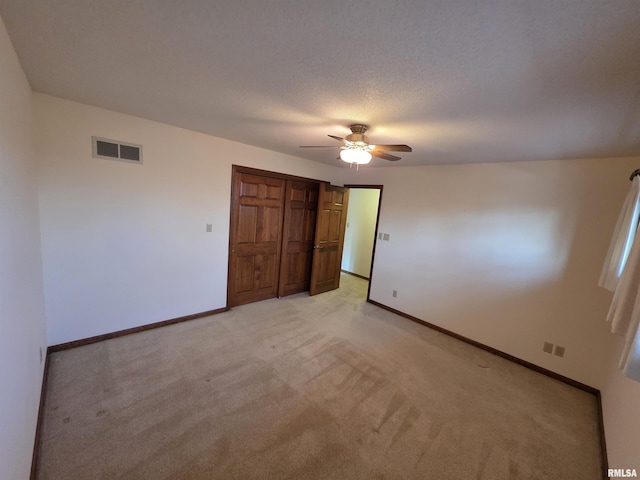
{"x":362,"y":214}
{"x":507,"y":254}
{"x":126,"y":245}
{"x":22,"y":327}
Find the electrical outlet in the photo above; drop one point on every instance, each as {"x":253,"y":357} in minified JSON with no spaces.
{"x":380,"y":236}
{"x":395,"y":293}
{"x":386,"y":237}
{"x":209,"y":227}
{"x":548,"y":347}
{"x":559,"y":351}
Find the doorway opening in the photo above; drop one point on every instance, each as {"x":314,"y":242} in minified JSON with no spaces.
{"x":361,"y":231}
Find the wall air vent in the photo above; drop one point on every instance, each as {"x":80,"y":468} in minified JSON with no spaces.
{"x":115,"y":150}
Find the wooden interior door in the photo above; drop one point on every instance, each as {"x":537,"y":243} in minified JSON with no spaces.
{"x":300,"y":209}
{"x":255,"y":238}
{"x":329,"y":238}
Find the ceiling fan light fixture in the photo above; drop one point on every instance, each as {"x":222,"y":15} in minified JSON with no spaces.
{"x":356,"y":149}
{"x":358,"y":156}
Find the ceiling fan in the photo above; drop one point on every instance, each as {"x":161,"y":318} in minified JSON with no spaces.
{"x":356,"y":149}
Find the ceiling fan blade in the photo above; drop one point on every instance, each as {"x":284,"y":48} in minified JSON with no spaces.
{"x":319,"y":146}
{"x":337,"y":138}
{"x":386,"y":156}
{"x":394,"y":148}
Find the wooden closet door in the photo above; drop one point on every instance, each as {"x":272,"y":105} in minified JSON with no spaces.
{"x":329,"y":238}
{"x":255,"y":238}
{"x":300,"y":209}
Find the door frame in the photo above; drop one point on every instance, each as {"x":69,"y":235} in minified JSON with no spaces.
{"x":375,"y":238}
{"x":269,"y":173}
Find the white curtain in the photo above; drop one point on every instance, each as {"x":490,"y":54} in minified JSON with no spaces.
{"x":621,"y":274}
{"x":622,"y":240}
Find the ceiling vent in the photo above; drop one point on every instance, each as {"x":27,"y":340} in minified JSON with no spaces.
{"x":115,"y":150}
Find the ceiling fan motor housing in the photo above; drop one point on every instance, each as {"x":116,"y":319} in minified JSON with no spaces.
{"x":357,"y":138}
{"x":358,"y":128}
{"x":357,"y":135}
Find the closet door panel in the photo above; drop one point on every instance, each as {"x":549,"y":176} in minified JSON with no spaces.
{"x":329,"y":238}
{"x":255,"y":238}
{"x":301,"y":204}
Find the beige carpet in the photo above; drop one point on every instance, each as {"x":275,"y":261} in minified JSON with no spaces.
{"x":325,"y":387}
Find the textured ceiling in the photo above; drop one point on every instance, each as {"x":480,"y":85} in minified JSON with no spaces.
{"x":458,"y":80}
